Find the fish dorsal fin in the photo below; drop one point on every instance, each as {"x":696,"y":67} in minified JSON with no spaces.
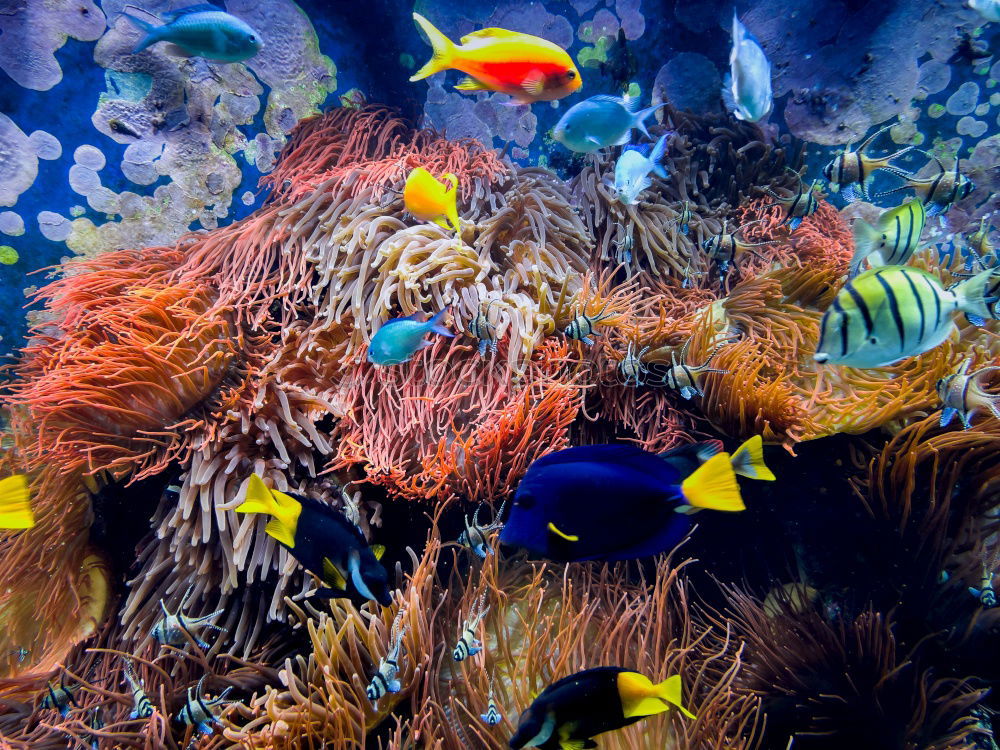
{"x":493,"y":33}
{"x":199,"y":8}
{"x":378,"y":550}
{"x":332,"y":575}
{"x":630,"y":105}
{"x":534,"y":82}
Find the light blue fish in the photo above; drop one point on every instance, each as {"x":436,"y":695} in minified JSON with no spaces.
{"x":399,"y":339}
{"x":601,"y":121}
{"x":747,"y":86}
{"x":202,"y":31}
{"x":633,"y":168}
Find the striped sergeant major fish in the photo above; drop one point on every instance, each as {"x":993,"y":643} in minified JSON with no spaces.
{"x":60,"y":698}
{"x":142,"y":707}
{"x":583,"y":326}
{"x":476,"y":537}
{"x":939,"y":192}
{"x":890,"y":313}
{"x":171,"y":629}
{"x":468,"y":645}
{"x":892,"y":240}
{"x":199,"y":711}
{"x":855,"y":168}
{"x":962,"y":394}
{"x":798,"y":206}
{"x":384,"y":681}
{"x":492,"y":717}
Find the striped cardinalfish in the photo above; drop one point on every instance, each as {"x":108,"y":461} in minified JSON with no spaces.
{"x":584,"y":326}
{"x":60,"y":698}
{"x":171,"y":629}
{"x":892,"y":240}
{"x":890,"y":313}
{"x":961,"y":393}
{"x":798,"y":206}
{"x":384,"y":681}
{"x":726,"y":247}
{"x":468,"y":645}
{"x":939,"y":192}
{"x":684,"y":377}
{"x":142,"y":707}
{"x":476,"y":537}
{"x":199,"y":711}
{"x":855,"y":168}
{"x":492,"y":717}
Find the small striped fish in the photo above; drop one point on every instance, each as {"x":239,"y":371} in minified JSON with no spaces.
{"x":892,"y":241}
{"x":174,"y":628}
{"x":583,"y":326}
{"x":142,"y":707}
{"x":962,"y":394}
{"x":894,"y":312}
{"x":476,"y":537}
{"x":199,"y":711}
{"x":492,"y":716}
{"x":852,"y":168}
{"x":937,"y":193}
{"x":385,"y":680}
{"x":468,"y":645}
{"x":798,"y":206}
{"x":684,"y":377}
{"x":59,"y":698}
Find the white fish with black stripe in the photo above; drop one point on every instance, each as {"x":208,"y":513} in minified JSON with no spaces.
{"x":142,"y":707}
{"x":492,"y":717}
{"x":199,"y":711}
{"x":468,"y":645}
{"x":476,"y":537}
{"x":385,"y":680}
{"x":171,"y":629}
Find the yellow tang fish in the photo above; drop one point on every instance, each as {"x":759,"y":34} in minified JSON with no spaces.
{"x":529,"y":68}
{"x":430,"y":199}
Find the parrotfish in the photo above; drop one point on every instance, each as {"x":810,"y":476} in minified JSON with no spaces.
{"x":569,"y":713}
{"x":201,"y":31}
{"x":632,"y":171}
{"x":528,"y":68}
{"x":323,"y":541}
{"x":400,"y":338}
{"x":747,"y":87}
{"x":890,"y":313}
{"x":601,"y":121}
{"x":429,"y":199}
{"x":619,"y":502}
{"x":892,"y":240}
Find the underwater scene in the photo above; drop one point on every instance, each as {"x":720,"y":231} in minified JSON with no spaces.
{"x":558,"y":374}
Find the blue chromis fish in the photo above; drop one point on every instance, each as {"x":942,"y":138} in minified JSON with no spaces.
{"x":569,"y":713}
{"x":746,"y":89}
{"x":400,"y":338}
{"x":890,"y":313}
{"x":632,"y":171}
{"x":429,"y":199}
{"x":892,"y":240}
{"x":201,"y":31}
{"x":323,"y":540}
{"x":15,"y":503}
{"x":619,"y":502}
{"x":601,"y":121}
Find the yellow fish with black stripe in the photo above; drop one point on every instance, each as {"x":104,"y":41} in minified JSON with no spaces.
{"x":322,"y":540}
{"x":15,"y":503}
{"x":892,"y":240}
{"x":894,"y":312}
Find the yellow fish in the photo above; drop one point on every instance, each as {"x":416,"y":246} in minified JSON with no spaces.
{"x":529,"y":68}
{"x":15,"y":508}
{"x":430,"y":199}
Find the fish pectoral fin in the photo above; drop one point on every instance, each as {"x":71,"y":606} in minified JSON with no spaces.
{"x":378,"y":550}
{"x":713,"y":485}
{"x":534,"y":82}
{"x":332,"y":574}
{"x":354,"y":567}
{"x":593,"y":141}
{"x":471,"y":84}
{"x":562,"y":534}
{"x":568,"y":744}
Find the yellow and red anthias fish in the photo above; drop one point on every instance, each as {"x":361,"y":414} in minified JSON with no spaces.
{"x":430,"y":199}
{"x":529,"y":68}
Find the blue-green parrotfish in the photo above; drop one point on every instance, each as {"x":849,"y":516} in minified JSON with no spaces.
{"x":201,"y":31}
{"x":601,"y":121}
{"x":400,"y":338}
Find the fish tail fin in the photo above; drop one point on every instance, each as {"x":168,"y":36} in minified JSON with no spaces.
{"x":15,"y":503}
{"x":670,"y":691}
{"x":435,"y":324}
{"x":713,"y":485}
{"x":659,"y":152}
{"x":642,"y":114}
{"x":640,"y":697}
{"x":980,"y":295}
{"x":151,"y":31}
{"x":865,"y":238}
{"x":748,"y":460}
{"x":443,"y":50}
{"x":283,"y":509}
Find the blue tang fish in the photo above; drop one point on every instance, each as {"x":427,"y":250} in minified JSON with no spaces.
{"x":601,"y":121}
{"x":619,"y":502}
{"x":632,"y":171}
{"x":202,"y":31}
{"x":400,"y":338}
{"x":746,"y":89}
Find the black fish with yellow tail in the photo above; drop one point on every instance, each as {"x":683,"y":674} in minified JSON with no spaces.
{"x":323,"y":540}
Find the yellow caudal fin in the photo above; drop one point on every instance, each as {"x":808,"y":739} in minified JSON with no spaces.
{"x":283,"y":508}
{"x":670,"y":691}
{"x":713,"y":486}
{"x":748,"y":460}
{"x":443,"y":50}
{"x":15,"y":503}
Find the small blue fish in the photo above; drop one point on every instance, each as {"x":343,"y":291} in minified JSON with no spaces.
{"x":747,"y":87}
{"x":632,"y":171}
{"x":601,"y":121}
{"x":399,"y":339}
{"x":201,"y":31}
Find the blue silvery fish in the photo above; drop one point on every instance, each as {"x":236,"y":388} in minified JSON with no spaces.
{"x":399,"y":339}
{"x":633,"y":168}
{"x":600,"y":121}
{"x":747,"y":87}
{"x":202,"y":31}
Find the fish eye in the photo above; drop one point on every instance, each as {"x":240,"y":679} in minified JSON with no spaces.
{"x":571,"y":75}
{"x":873,"y":340}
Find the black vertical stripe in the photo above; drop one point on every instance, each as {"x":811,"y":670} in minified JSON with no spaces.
{"x":937,"y":301}
{"x":894,"y":309}
{"x":861,"y":166}
{"x":862,"y":306}
{"x":919,"y":302}
{"x":934,"y":186}
{"x":965,"y":394}
{"x":895,"y":245}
